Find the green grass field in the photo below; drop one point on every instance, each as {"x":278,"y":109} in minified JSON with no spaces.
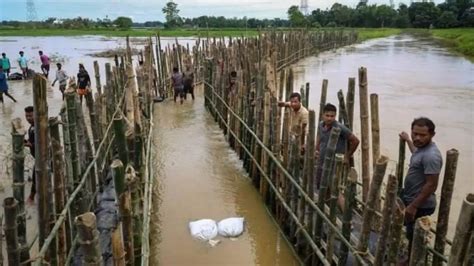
{"x":364,"y":33}
{"x":139,"y":32}
{"x":460,"y":40}
{"x":371,"y":33}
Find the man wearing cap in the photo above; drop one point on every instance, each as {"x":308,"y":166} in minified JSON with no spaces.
{"x":83,"y":81}
{"x":23,"y":63}
{"x":61,"y":76}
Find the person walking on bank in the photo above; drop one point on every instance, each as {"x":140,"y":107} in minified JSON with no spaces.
{"x":83,"y":81}
{"x":298,"y":118}
{"x":23,"y":63}
{"x":61,"y":76}
{"x":4,"y":86}
{"x":44,"y":63}
{"x":5,"y":64}
{"x":177,"y":81}
{"x":30,"y":143}
{"x":188,"y":82}
{"x":422,"y":177}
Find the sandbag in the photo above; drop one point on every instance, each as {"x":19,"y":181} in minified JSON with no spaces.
{"x":231,"y":227}
{"x":205,"y":229}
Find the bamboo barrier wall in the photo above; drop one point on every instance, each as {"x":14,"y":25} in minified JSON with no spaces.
{"x":260,"y":135}
{"x":120,"y":121}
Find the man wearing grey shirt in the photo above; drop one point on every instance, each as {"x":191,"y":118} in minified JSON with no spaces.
{"x":421,"y":180}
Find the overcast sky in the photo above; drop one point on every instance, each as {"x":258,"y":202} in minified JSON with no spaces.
{"x":150,"y":10}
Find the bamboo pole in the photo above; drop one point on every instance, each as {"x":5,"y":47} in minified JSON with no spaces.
{"x":118,"y":252}
{"x":11,"y":232}
{"x":349,"y":205}
{"x":124,"y":202}
{"x":463,"y":233}
{"x":400,"y":164}
{"x":136,"y":199}
{"x":326,"y":176}
{"x":364,"y":121}
{"x":375,"y":126}
{"x":79,"y":206}
{"x":343,"y":116}
{"x":18,"y":168}
{"x":373,"y":195}
{"x":395,"y":232}
{"x":445,"y":203}
{"x":390,"y":198}
{"x":41,"y":155}
{"x":322,"y":102}
{"x":120,"y":139}
{"x":59,"y":187}
{"x":350,"y":102}
{"x":420,"y":241}
{"x":89,"y":239}
{"x":333,"y":205}
{"x":97,"y":77}
{"x":69,"y":182}
{"x":307,"y":95}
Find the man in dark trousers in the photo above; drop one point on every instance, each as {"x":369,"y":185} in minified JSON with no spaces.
{"x":188,"y":77}
{"x":83,"y":82}
{"x":178,"y":85}
{"x":30,"y":143}
{"x":4,"y":86}
{"x":421,"y":180}
{"x":345,"y":137}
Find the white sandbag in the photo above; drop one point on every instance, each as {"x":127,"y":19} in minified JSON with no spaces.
{"x":205,"y":229}
{"x":231,"y":227}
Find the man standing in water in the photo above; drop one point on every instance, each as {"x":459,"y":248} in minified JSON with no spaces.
{"x":177,"y":81}
{"x":298,"y":118}
{"x":188,"y":82}
{"x":83,"y":81}
{"x":61,"y":76}
{"x":329,"y":122}
{"x":5,"y":64}
{"x":30,"y":143}
{"x":23,"y":63}
{"x":421,"y":180}
{"x":44,"y":63}
{"x":4,"y":86}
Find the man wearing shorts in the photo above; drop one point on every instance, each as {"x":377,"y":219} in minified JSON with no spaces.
{"x":83,"y":81}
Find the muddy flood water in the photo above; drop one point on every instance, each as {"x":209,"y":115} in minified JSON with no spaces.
{"x":198,"y":176}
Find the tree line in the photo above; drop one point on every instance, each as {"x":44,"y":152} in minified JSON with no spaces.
{"x":452,"y":13}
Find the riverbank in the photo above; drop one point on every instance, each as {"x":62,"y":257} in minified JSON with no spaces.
{"x":364,"y":33}
{"x":460,"y":40}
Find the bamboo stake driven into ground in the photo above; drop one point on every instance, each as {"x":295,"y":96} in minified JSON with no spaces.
{"x":445,"y":203}
{"x":464,"y":233}
{"x":364,"y":121}
{"x":18,"y":169}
